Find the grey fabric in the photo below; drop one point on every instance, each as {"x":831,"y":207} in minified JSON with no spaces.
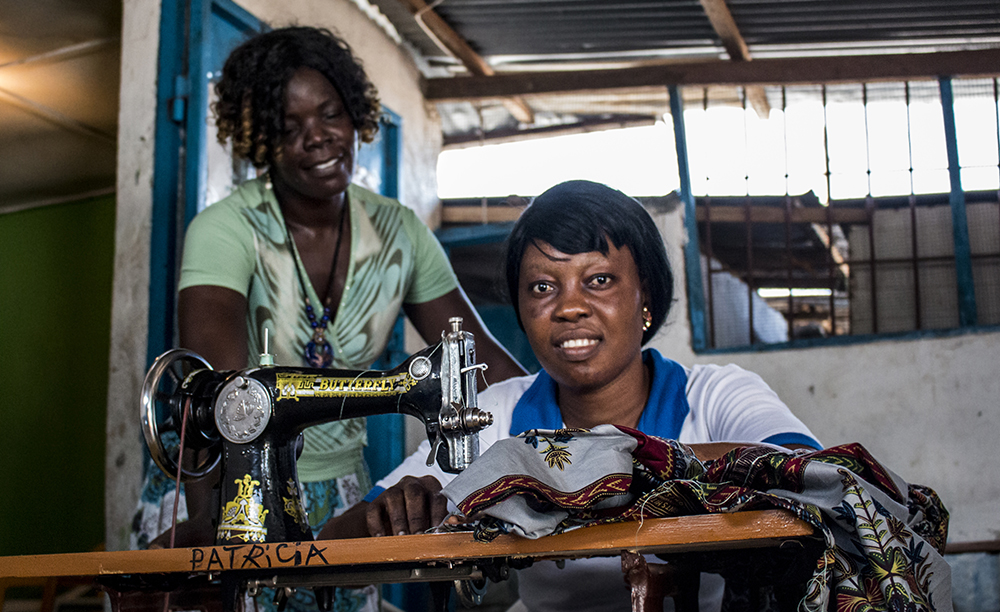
{"x":562,"y":465}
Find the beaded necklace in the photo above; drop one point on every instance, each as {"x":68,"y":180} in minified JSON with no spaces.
{"x":318,"y":352}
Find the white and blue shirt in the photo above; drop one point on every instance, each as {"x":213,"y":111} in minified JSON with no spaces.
{"x":705,"y":403}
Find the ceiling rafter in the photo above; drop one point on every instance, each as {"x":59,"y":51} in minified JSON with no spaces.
{"x":725,"y":26}
{"x":784,"y":71}
{"x":455,"y":45}
{"x":81,"y":49}
{"x":55,"y":117}
{"x":65,"y":53}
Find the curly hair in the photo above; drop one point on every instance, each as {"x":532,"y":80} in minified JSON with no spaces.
{"x":250,"y":108}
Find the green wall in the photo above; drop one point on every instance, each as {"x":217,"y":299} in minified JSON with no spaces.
{"x":56,"y":266}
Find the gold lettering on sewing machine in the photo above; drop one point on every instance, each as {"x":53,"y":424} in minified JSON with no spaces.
{"x":257,"y":556}
{"x":243,"y":518}
{"x":296,"y":386}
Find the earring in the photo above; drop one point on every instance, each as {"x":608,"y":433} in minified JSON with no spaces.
{"x":647,"y":319}
{"x":267,"y":181}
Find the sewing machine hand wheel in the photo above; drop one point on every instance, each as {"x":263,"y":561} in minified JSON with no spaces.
{"x":470,"y":592}
{"x":160,"y":412}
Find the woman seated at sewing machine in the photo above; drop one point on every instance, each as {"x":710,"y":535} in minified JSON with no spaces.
{"x":590,"y":284}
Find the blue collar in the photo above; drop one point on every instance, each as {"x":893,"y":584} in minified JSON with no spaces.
{"x":663,"y":415}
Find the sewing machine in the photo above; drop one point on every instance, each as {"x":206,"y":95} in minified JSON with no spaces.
{"x":251,"y":421}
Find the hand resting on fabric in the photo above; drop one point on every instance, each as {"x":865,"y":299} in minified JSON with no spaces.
{"x":413,"y":505}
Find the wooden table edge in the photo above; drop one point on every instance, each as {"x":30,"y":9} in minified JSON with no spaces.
{"x":724,"y":531}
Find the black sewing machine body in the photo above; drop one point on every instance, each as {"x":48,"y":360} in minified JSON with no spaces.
{"x":252,"y":419}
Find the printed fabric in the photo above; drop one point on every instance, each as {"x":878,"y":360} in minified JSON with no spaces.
{"x":883,"y":538}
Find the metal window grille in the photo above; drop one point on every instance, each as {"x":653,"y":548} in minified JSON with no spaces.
{"x":883,"y":240}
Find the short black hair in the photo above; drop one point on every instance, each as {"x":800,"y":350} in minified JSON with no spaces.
{"x":580,"y":217}
{"x":251,"y":93}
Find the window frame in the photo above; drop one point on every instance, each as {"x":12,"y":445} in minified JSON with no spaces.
{"x":696,"y":293}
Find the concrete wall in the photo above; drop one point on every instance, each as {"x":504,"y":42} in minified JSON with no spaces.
{"x":928,"y":409}
{"x":130,"y":297}
{"x":395,"y":75}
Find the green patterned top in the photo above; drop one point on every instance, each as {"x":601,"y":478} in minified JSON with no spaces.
{"x":240,"y":243}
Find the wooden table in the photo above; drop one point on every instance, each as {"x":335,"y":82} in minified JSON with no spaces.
{"x":413,"y":558}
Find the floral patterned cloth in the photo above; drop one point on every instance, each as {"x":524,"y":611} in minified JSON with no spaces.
{"x":884,"y":538}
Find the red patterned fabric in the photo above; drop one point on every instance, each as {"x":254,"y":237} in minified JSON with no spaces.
{"x":884,"y":538}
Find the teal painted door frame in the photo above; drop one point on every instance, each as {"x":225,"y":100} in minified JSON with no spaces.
{"x":196,"y":36}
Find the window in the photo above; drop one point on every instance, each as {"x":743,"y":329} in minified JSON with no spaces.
{"x":851,"y":210}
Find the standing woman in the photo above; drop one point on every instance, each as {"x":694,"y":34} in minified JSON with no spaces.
{"x":321,"y":264}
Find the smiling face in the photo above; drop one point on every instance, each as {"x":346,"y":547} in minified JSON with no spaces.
{"x":582,"y":314}
{"x":319,"y":142}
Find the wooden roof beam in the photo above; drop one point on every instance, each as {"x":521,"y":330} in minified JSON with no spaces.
{"x":718,"y":214}
{"x":784,"y":71}
{"x":57,"y":118}
{"x":452,"y":42}
{"x":725,"y":26}
{"x":61,"y":54}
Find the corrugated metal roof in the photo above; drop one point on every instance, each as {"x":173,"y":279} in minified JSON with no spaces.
{"x":548,"y":29}
{"x":578,"y":26}
{"x":810,"y":22}
{"x":532,"y":35}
